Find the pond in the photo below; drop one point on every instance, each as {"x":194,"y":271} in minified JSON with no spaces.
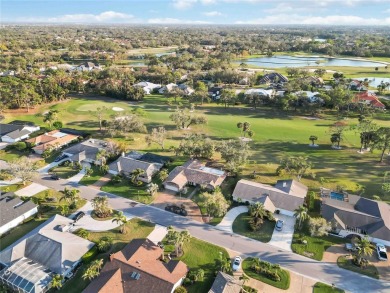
{"x":375,"y":81}
{"x":280,"y":61}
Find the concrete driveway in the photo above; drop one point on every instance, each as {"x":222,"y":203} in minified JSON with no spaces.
{"x":283,"y":239}
{"x":31,"y":190}
{"x":3,"y":145}
{"x":227,"y":221}
{"x":45,"y":170}
{"x":76,"y":178}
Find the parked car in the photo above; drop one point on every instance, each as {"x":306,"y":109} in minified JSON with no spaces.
{"x":54,"y":176}
{"x":351,"y":247}
{"x":279,"y":225}
{"x":177,"y":210}
{"x":236,"y":263}
{"x":60,"y":158}
{"x":381,"y":251}
{"x":78,"y":216}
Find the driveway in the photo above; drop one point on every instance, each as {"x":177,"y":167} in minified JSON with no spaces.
{"x":45,"y":170}
{"x":90,"y":224}
{"x":31,"y":190}
{"x":76,"y":178}
{"x":283,"y":239}
{"x":158,"y":234}
{"x":227,"y":221}
{"x":3,"y":145}
{"x":164,"y":198}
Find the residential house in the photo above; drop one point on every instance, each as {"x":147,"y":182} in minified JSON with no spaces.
{"x":225,"y":283}
{"x":215,"y":92}
{"x":283,"y":198}
{"x":126,"y":164}
{"x":139,"y":268}
{"x":51,"y":140}
{"x":29,"y":264}
{"x":86,"y":151}
{"x":312,"y":97}
{"x":261,"y":92}
{"x":352,"y":214}
{"x":16,"y":131}
{"x":148,"y":87}
{"x":273,"y":77}
{"x":187,"y":90}
{"x":196,"y":174}
{"x":167,"y":88}
{"x":357,"y":85}
{"x":369,"y":99}
{"x":88,"y":66}
{"x":14,"y":211}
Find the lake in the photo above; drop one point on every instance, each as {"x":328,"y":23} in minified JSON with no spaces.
{"x":280,"y":61}
{"x":375,"y":81}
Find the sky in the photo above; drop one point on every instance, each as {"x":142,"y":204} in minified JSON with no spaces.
{"x":263,"y":12}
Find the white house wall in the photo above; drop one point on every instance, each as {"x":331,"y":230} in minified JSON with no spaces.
{"x":17,"y":221}
{"x":345,"y":233}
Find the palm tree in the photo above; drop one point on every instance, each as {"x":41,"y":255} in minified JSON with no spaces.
{"x":70,"y":195}
{"x":121,"y":219}
{"x":301,"y":215}
{"x":153,"y":188}
{"x":50,"y":117}
{"x":135,"y":174}
{"x":56,"y":282}
{"x":64,"y":209}
{"x":82,"y":233}
{"x":101,"y":206}
{"x":163,"y":174}
{"x":102,"y":157}
{"x":365,"y":248}
{"x":178,"y":239}
{"x":257,"y":210}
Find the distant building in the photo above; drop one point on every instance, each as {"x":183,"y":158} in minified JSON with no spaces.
{"x":14,"y":211}
{"x":51,"y":140}
{"x":369,"y":99}
{"x":86,"y":151}
{"x":139,"y":268}
{"x":148,"y":87}
{"x":16,"y":131}
{"x":273,"y":77}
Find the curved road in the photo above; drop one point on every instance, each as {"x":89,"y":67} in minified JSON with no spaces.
{"x":321,"y":271}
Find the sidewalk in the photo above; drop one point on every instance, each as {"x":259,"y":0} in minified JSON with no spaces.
{"x":31,"y":190}
{"x":227,"y":221}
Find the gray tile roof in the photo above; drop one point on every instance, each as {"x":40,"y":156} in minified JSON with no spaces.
{"x":7,"y":128}
{"x":225,"y":283}
{"x":127,"y":165}
{"x":86,"y":150}
{"x":366,"y":214}
{"x":253,"y":191}
{"x":17,"y":133}
{"x":12,"y":207}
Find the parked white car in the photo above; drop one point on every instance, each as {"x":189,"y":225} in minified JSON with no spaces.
{"x":381,"y":251}
{"x":236,"y":263}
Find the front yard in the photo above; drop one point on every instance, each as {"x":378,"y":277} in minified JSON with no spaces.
{"x":199,"y":254}
{"x":95,"y":176}
{"x":346,"y":263}
{"x":324,"y":288}
{"x":241,"y":226}
{"x":136,"y":228}
{"x":64,"y":171}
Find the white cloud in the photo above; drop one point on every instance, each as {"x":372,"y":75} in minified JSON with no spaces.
{"x":175,"y":21}
{"x":212,"y":13}
{"x":107,"y":16}
{"x":317,"y":20}
{"x":186,"y":4}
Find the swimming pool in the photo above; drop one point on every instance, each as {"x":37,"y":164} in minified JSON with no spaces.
{"x":336,"y":195}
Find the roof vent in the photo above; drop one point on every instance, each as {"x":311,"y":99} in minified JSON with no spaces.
{"x":135,"y":275}
{"x":284,"y":184}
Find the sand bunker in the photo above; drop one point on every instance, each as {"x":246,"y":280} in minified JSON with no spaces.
{"x":117,"y":109}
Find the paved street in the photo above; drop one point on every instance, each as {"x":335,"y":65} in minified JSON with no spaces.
{"x":324,"y":272}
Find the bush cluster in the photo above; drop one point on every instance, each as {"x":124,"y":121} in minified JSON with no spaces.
{"x":267,"y":269}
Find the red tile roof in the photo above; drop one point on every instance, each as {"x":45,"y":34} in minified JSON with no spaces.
{"x":370,"y":99}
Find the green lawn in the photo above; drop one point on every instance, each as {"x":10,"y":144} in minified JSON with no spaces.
{"x":64,"y":172}
{"x":11,"y":155}
{"x":241,"y":226}
{"x":96,"y":174}
{"x":315,"y":246}
{"x":14,"y":187}
{"x":324,"y":288}
{"x":136,"y":228}
{"x":128,"y":190}
{"x":199,"y":254}
{"x":346,"y":263}
{"x":284,"y":283}
{"x":277,"y":134}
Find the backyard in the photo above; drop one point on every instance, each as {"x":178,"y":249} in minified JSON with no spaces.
{"x":277,"y":133}
{"x":241,"y":226}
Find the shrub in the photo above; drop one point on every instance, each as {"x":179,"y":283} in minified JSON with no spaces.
{"x":180,"y":289}
{"x":319,"y":226}
{"x":187,"y":281}
{"x":104,"y":244}
{"x":116,"y":179}
{"x":20,"y":146}
{"x":57,"y":124}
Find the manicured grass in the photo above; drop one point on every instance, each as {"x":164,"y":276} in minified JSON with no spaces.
{"x":64,"y":172}
{"x":96,"y":174}
{"x":284,"y":275}
{"x":346,"y":263}
{"x":126,"y":189}
{"x":241,"y":226}
{"x":199,"y":254}
{"x":324,"y":288}
{"x":11,"y":155}
{"x":14,"y":187}
{"x":277,"y":134}
{"x":315,"y":246}
{"x":136,"y":228}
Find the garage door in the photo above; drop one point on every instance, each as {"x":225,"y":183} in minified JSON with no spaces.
{"x":171,"y":187}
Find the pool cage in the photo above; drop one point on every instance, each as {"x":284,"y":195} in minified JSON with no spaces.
{"x":26,"y":276}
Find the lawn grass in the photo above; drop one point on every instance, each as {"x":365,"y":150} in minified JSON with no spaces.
{"x":136,"y":228}
{"x":241,"y":226}
{"x":199,"y":254}
{"x":315,"y":246}
{"x":324,"y":288}
{"x":64,"y":172}
{"x":346,"y":263}
{"x":283,"y":284}
{"x":11,"y":155}
{"x":127,"y":190}
{"x":14,"y":187}
{"x":96,"y":175}
{"x":277,"y":134}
